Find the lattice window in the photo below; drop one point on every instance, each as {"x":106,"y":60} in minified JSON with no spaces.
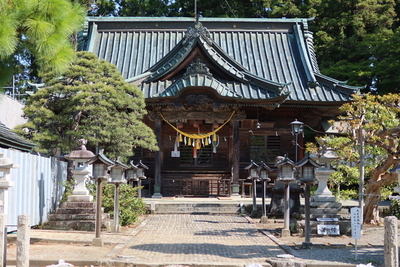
{"x":265,"y":148}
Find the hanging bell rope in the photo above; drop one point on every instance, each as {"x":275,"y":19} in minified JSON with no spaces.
{"x":198,"y":136}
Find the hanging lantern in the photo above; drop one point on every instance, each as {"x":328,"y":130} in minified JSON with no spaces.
{"x":286,"y":169}
{"x":100,"y":164}
{"x":196,"y":124}
{"x":215,"y":125}
{"x":252,"y":169}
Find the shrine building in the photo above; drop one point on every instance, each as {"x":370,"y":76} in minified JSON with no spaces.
{"x":220,"y":93}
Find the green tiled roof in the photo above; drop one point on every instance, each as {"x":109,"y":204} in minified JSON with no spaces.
{"x":9,"y":139}
{"x":258,"y":57}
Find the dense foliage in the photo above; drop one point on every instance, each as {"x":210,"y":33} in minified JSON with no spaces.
{"x":37,"y":35}
{"x":376,"y":119}
{"x":355,"y":41}
{"x":130,"y":206}
{"x":394,"y":209}
{"x":90,"y":100}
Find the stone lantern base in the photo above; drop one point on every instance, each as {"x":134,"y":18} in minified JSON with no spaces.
{"x":80,"y":198}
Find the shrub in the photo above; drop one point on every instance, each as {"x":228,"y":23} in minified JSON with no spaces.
{"x":394,"y":209}
{"x":130,"y":207}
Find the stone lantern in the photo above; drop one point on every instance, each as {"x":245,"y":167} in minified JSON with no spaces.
{"x":307,"y":173}
{"x":6,"y":165}
{"x":117,"y":172}
{"x":80,"y":172}
{"x":263,"y":171}
{"x":131,"y":173}
{"x":117,"y":177}
{"x":253,"y":175}
{"x":141,"y":176}
{"x":322,"y":174}
{"x":100,"y":164}
{"x":286,"y":175}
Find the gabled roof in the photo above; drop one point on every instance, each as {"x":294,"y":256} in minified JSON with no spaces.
{"x":9,"y":139}
{"x":249,"y":58}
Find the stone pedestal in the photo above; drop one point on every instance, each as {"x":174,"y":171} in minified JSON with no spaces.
{"x":276,"y":207}
{"x":235,"y":192}
{"x":323,"y":194}
{"x":391,"y":245}
{"x":80,"y":192}
{"x":157,"y":192}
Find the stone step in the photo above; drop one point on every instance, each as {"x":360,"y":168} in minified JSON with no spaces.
{"x":326,"y":211}
{"x":324,"y":205}
{"x":74,"y":217}
{"x":75,"y":211}
{"x":193,"y":208}
{"x":73,"y":205}
{"x":314,"y":217}
{"x":79,"y":225}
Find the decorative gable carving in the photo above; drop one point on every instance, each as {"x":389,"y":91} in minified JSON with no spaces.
{"x":198,"y":30}
{"x":198,"y":67}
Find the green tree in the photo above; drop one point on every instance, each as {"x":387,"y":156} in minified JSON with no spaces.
{"x":90,"y":100}
{"x":37,"y":33}
{"x":376,"y":118}
{"x":386,"y":63}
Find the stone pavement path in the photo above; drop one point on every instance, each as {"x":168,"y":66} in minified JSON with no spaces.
{"x":201,"y":239}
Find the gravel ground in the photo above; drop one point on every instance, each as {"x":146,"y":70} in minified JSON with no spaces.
{"x":333,"y":249}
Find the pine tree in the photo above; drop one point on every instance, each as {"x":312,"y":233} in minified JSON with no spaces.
{"x":39,"y":32}
{"x":90,"y":100}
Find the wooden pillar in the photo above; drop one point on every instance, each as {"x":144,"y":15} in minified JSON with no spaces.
{"x":235,"y":159}
{"x":157,"y":161}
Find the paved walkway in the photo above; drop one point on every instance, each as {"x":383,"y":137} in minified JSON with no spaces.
{"x":197,"y":240}
{"x":201,"y":239}
{"x":160,"y":240}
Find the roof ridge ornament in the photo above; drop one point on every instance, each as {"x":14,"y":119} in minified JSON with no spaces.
{"x":198,"y":67}
{"x":196,"y":31}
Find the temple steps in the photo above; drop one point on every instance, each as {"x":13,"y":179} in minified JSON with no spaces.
{"x":76,"y":216}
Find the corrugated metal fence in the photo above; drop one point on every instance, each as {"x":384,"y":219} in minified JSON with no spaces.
{"x":38,"y":186}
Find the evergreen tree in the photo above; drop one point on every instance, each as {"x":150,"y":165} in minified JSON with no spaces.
{"x":90,"y":100}
{"x":37,"y":33}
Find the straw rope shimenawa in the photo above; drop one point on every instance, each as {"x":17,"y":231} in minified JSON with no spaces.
{"x":198,"y":136}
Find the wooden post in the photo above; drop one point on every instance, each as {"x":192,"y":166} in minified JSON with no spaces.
{"x":23,"y":241}
{"x":97,"y":241}
{"x":254,"y":211}
{"x":157,"y":161}
{"x":235,"y":159}
{"x":307,"y":242}
{"x":116,"y":208}
{"x":286,"y":212}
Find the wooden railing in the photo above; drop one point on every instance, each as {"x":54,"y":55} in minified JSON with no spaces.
{"x":196,"y":188}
